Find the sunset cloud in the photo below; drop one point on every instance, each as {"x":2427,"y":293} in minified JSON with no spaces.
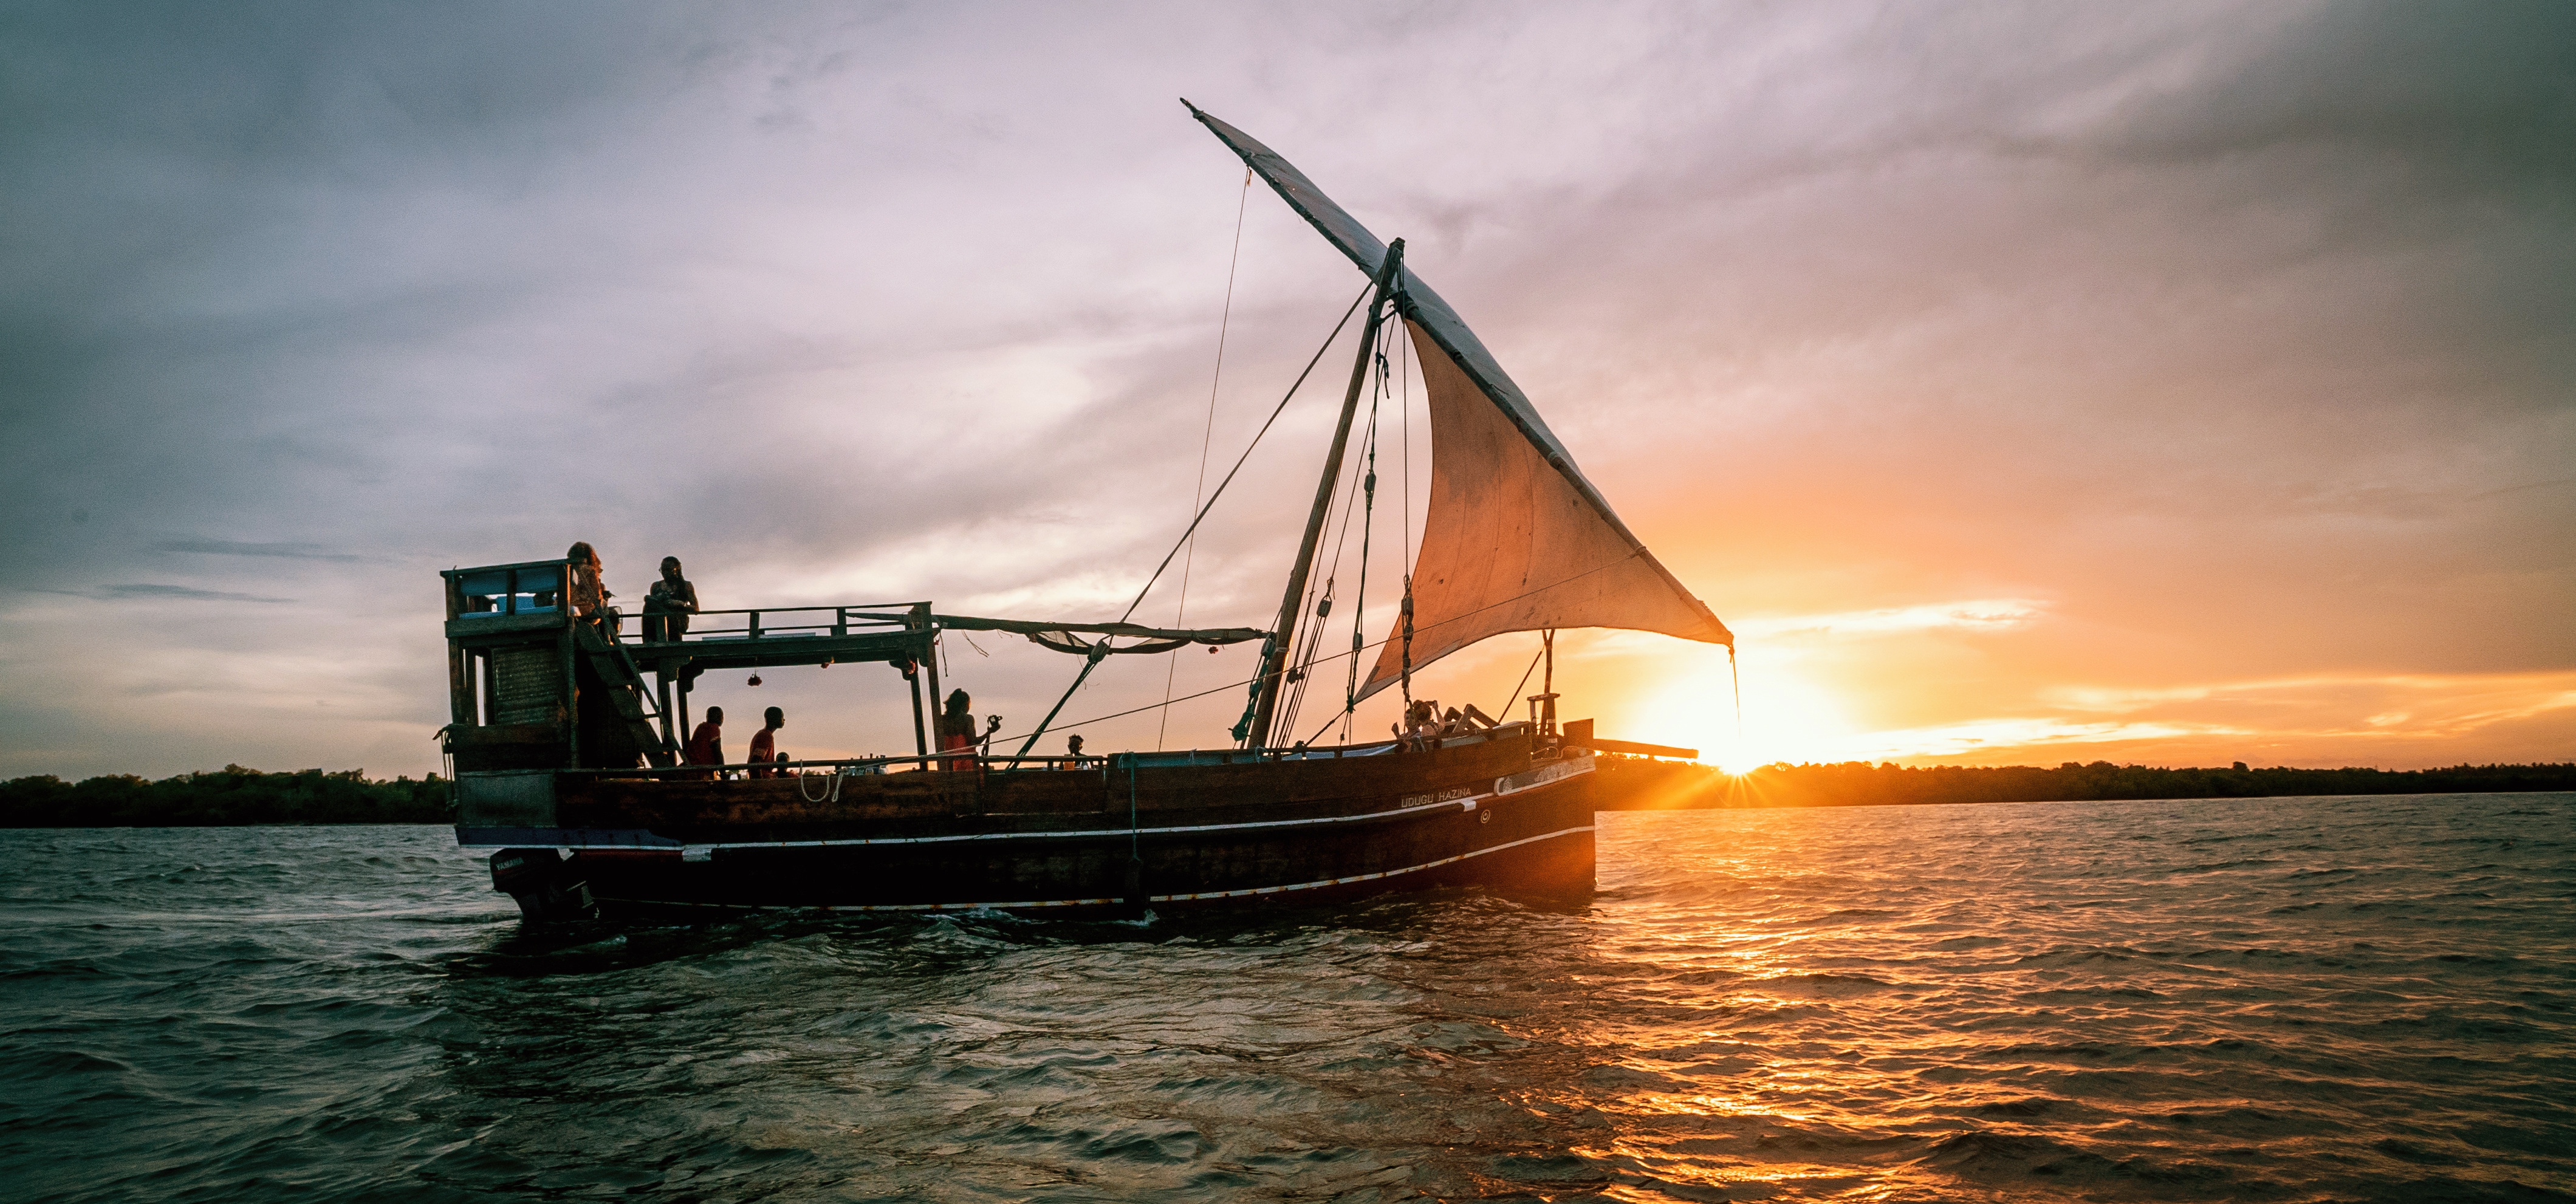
{"x":1990,"y":615}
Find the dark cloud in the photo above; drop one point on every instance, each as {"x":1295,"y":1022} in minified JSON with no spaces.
{"x":190,"y":593}
{"x":228,"y":547}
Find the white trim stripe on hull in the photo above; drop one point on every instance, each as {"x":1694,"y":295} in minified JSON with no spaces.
{"x":1213,"y":894}
{"x":1515,"y":784}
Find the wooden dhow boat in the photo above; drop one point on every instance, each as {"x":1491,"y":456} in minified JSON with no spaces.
{"x":567,"y":753}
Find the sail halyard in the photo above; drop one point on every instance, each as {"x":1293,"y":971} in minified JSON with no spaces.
{"x":1575,"y":564}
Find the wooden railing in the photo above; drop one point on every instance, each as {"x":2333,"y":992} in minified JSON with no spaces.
{"x":773,"y":622}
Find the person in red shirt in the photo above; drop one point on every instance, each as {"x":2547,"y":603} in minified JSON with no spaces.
{"x":706,"y":745}
{"x":957,"y":732}
{"x":764,"y":744}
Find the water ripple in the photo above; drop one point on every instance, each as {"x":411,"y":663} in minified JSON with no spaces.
{"x":2347,"y":999}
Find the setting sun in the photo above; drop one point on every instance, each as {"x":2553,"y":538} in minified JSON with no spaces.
{"x":1785,"y":717}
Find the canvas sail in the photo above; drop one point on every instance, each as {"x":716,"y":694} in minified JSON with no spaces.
{"x":1511,"y":544}
{"x":1515,"y":539}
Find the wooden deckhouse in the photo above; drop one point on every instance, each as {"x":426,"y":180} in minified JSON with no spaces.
{"x":530,"y":686}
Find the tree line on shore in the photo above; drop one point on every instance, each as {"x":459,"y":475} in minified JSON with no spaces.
{"x":234,"y":794}
{"x":1860,"y":783}
{"x":239,"y":795}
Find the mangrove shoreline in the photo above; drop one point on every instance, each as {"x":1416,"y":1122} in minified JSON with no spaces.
{"x":238,"y":795}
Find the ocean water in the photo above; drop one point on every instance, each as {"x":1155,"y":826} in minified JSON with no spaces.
{"x":2266,"y":999}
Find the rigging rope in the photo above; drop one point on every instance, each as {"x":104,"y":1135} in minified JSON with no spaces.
{"x":1319,"y":600}
{"x":1355,"y":668}
{"x":1738,"y":683}
{"x":1363,"y":494}
{"x":1525,"y":676}
{"x":1275,"y":411}
{"x":1404,"y":412}
{"x":1354,"y":652}
{"x":1207,"y":437}
{"x":1356,"y":302}
{"x":1404,"y":408}
{"x":1359,"y":606}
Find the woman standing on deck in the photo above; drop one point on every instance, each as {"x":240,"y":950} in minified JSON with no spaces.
{"x":589,"y":596}
{"x":957,"y":731}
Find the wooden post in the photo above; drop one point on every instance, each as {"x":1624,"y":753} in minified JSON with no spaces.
{"x":920,"y":734}
{"x":460,"y":664}
{"x":687,"y":729}
{"x":930,"y":667}
{"x":1274,"y":669}
{"x":571,"y":680}
{"x":1547,"y":684}
{"x":662,"y":689}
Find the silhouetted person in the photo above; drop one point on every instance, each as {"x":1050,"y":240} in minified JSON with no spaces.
{"x":957,"y":730}
{"x":668,"y":605}
{"x":589,"y":596}
{"x":1073,"y":749}
{"x":706,"y":745}
{"x":764,"y":744}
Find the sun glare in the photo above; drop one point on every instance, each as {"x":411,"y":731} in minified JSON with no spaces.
{"x":1786,"y":718}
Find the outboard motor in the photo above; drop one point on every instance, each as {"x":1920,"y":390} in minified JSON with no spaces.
{"x":542,"y":883}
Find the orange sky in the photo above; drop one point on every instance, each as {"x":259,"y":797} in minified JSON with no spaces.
{"x":2023,"y":385}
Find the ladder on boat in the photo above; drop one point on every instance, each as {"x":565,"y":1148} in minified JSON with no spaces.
{"x":634,"y":701}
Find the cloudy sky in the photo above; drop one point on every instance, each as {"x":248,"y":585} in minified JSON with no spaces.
{"x":2180,"y":384}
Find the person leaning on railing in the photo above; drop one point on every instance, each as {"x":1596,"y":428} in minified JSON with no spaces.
{"x":589,"y":596}
{"x":668,"y":605}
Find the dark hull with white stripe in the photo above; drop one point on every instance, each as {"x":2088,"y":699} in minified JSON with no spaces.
{"x":1113,"y":838}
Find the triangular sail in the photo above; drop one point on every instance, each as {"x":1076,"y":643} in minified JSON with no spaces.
{"x":1510,"y":544}
{"x":1516,"y":539}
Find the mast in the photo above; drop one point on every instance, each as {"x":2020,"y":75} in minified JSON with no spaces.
{"x":1274,"y":667}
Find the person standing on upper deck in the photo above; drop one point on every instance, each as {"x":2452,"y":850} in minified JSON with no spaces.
{"x":589,"y":595}
{"x":668,"y":605}
{"x":764,"y":744}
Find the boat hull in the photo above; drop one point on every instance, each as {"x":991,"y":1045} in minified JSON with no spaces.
{"x":1113,"y":839}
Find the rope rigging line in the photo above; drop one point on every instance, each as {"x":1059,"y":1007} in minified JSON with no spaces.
{"x":1207,"y":439}
{"x":1346,"y":713}
{"x":1515,"y":695}
{"x":1363,"y":494}
{"x":1359,"y":605}
{"x":1260,"y":704}
{"x":1404,"y":422}
{"x":1275,"y":411}
{"x":1319,"y":599}
{"x":1233,"y":685}
{"x":1738,"y":683}
{"x":1356,"y":302}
